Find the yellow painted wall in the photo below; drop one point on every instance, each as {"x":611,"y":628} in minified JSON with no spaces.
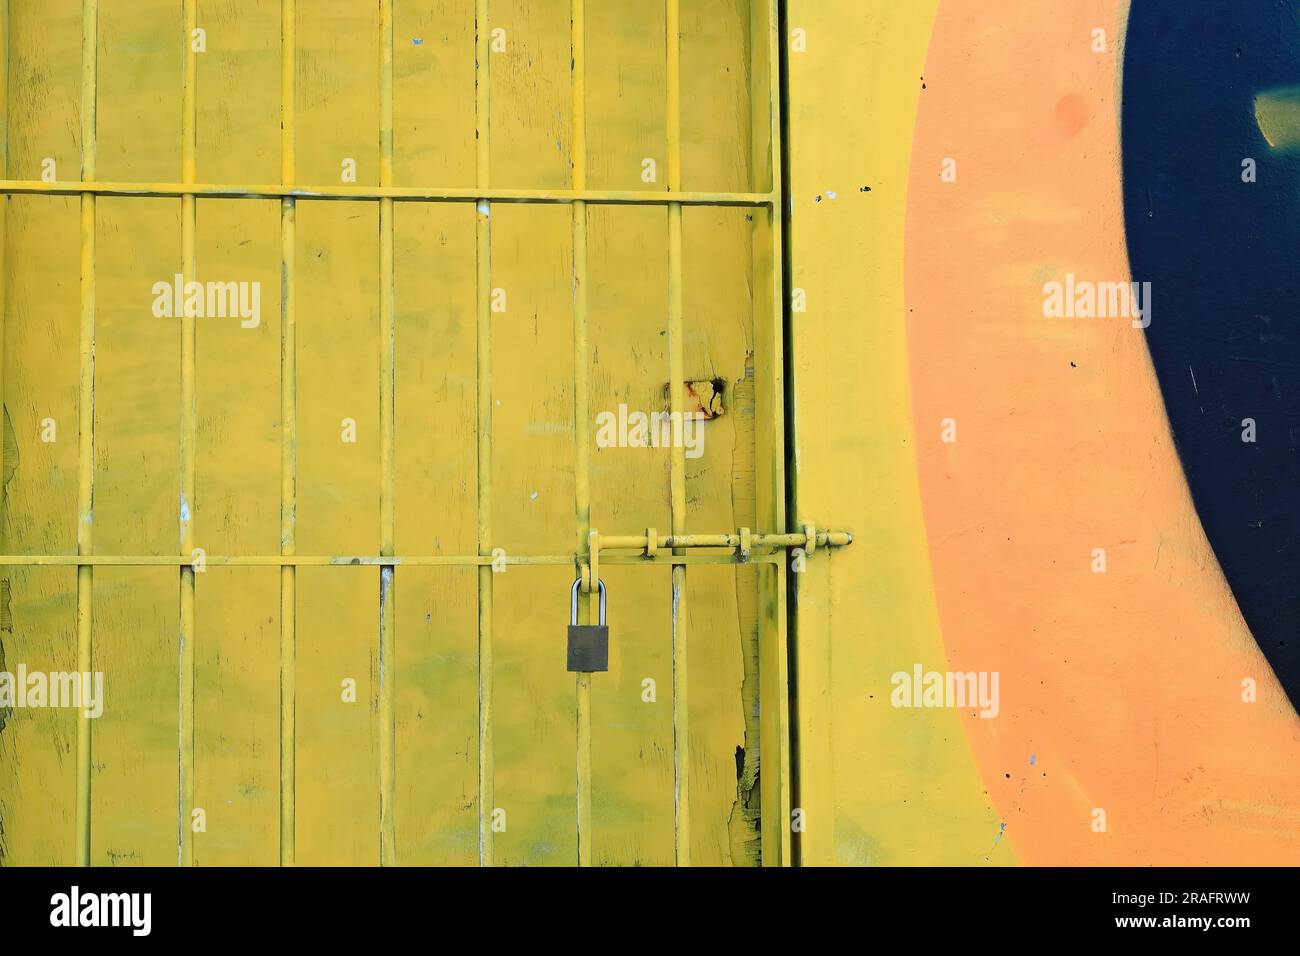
{"x":877,"y":785}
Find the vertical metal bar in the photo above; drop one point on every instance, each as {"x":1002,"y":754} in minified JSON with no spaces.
{"x":4,"y":211}
{"x":776,"y":183}
{"x":288,"y":443}
{"x":769,"y":298}
{"x":387,"y":387}
{"x":189,"y":439}
{"x":776,"y":217}
{"x":86,"y":409}
{"x":483,"y":303}
{"x":581,"y":409}
{"x":677,"y":406}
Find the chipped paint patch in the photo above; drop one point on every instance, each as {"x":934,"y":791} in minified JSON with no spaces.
{"x":703,"y":398}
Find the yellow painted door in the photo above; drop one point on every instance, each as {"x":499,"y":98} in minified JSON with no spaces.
{"x":320,"y":543}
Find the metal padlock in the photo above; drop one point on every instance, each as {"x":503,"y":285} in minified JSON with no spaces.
{"x":588,"y":643}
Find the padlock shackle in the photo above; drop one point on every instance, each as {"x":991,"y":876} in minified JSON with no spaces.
{"x":573,"y":601}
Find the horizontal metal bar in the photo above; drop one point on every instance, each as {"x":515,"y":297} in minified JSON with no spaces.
{"x":608,"y":197}
{"x":605,"y":543}
{"x":359,"y":560}
{"x":837,"y":539}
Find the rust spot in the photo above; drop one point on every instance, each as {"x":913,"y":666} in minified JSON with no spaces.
{"x":703,"y":398}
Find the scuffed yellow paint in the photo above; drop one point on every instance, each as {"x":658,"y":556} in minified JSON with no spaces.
{"x":266,"y":433}
{"x":1278,"y":115}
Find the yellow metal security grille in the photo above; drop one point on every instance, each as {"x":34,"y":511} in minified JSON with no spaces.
{"x":493,"y":553}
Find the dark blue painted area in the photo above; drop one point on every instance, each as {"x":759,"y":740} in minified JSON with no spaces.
{"x":1224,"y":260}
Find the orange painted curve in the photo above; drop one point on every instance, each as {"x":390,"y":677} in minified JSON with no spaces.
{"x":1124,"y":688}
